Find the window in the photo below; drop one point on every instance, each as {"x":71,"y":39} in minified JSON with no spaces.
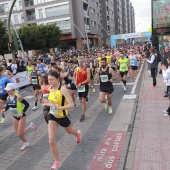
{"x":20,"y":5}
{"x":16,"y":19}
{"x":5,"y":7}
{"x":63,"y":25}
{"x":22,"y":18}
{"x":40,"y":13}
{"x":92,"y":23}
{"x":57,"y":11}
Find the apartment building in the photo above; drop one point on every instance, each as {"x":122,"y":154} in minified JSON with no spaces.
{"x":77,"y":19}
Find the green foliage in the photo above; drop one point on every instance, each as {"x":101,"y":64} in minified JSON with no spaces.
{"x":4,"y":38}
{"x":38,"y":37}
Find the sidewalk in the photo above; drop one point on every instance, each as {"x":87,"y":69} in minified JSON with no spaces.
{"x":149,"y":146}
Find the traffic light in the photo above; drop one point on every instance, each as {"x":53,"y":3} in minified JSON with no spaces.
{"x":10,"y":47}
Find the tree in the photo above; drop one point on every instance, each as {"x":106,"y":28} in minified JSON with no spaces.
{"x":38,"y":37}
{"x":4,"y":39}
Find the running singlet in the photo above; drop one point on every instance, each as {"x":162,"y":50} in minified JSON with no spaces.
{"x":15,"y":106}
{"x":59,"y":100}
{"x":30,"y":70}
{"x":35,"y":78}
{"x":133,"y":61}
{"x":3,"y":82}
{"x":45,"y":92}
{"x":40,"y":68}
{"x":105,"y":77}
{"x":81,"y":75}
{"x":108,"y":59}
{"x":123,"y":64}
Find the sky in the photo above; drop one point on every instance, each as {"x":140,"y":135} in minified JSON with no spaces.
{"x":142,"y":14}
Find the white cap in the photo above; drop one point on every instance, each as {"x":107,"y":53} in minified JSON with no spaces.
{"x":10,"y":86}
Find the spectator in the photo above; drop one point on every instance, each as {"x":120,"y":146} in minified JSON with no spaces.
{"x":14,"y":68}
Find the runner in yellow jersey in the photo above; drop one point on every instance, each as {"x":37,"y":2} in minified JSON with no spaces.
{"x":108,"y":59}
{"x":123,"y":69}
{"x":60,"y":101}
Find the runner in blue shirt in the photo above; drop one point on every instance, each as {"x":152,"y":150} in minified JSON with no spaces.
{"x":3,"y":94}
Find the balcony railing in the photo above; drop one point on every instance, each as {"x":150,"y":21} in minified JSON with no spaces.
{"x":31,"y":17}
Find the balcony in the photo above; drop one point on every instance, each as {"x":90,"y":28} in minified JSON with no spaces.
{"x":31,"y":17}
{"x":87,"y":27}
{"x":86,"y":1}
{"x":86,"y":13}
{"x":29,"y":3}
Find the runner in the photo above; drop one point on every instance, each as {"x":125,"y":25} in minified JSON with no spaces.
{"x":15,"y":104}
{"x":82,"y":78}
{"x":58,"y":115}
{"x":123,"y":69}
{"x":133,"y":65}
{"x":3,"y":94}
{"x":106,"y":87}
{"x":35,"y":80}
{"x":29,"y":68}
{"x":44,"y":96}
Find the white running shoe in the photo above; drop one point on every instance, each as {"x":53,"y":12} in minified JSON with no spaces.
{"x":33,"y":126}
{"x":25,"y":146}
{"x":124,"y":88}
{"x":166,"y":115}
{"x":34,"y":108}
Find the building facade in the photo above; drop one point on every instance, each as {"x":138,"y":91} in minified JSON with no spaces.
{"x":97,"y":19}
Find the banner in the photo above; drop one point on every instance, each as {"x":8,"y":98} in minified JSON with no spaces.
{"x":131,"y":35}
{"x":21,"y":79}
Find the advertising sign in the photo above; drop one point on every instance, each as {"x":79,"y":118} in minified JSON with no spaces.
{"x":160,"y":17}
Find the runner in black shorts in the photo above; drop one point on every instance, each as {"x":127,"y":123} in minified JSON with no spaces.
{"x":106,"y":84}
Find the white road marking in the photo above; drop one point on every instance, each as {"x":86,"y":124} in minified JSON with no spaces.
{"x":129,"y":97}
{"x":136,"y":81}
{"x":28,"y":97}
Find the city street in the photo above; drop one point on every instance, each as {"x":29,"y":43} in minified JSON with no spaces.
{"x":73,"y":156}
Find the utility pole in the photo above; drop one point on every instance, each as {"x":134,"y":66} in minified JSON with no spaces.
{"x":9,"y":27}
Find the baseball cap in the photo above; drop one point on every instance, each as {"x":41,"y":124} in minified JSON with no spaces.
{"x":10,"y":86}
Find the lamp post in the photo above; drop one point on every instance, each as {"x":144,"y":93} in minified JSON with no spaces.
{"x":87,"y":39}
{"x":136,"y":26}
{"x":78,"y":29}
{"x":9,"y":27}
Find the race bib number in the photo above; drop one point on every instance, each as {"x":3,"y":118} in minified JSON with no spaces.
{"x":1,"y":90}
{"x":104,"y":78}
{"x":45,"y":96}
{"x":34,"y":81}
{"x":81,"y":89}
{"x":14,"y":111}
{"x":53,"y":111}
{"x":132,"y":62}
{"x":123,"y":67}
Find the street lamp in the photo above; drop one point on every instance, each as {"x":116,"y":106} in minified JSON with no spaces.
{"x":78,"y":29}
{"x":9,"y":26}
{"x":136,"y":26}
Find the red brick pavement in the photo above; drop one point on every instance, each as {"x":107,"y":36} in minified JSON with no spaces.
{"x":152,"y":147}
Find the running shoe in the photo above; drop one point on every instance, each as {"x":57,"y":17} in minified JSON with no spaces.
{"x":56,"y":165}
{"x":152,"y":87}
{"x":34,"y":108}
{"x":165,"y":111}
{"x":166,"y":114}
{"x":110,"y":111}
{"x":94,"y":90}
{"x":105,"y":106}
{"x":2,"y":120}
{"x":78,"y":139}
{"x":82,"y":118}
{"x":124,"y":89}
{"x":33,"y":126}
{"x":25,"y":146}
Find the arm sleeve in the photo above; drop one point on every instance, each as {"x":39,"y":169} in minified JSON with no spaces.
{"x":152,"y":59}
{"x":26,"y":105}
{"x":7,"y":107}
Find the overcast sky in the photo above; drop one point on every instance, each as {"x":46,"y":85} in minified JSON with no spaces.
{"x":142,"y":14}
